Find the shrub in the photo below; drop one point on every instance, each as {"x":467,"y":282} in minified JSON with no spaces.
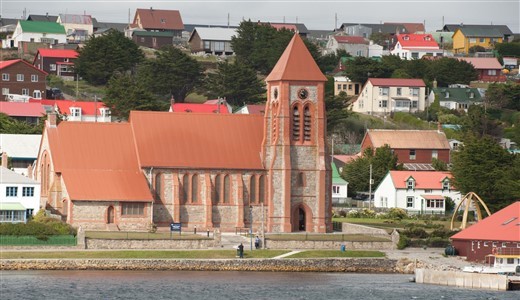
{"x":438,"y":242}
{"x":442,"y":233}
{"x":396,"y":214}
{"x":342,"y":213}
{"x":368,"y":213}
{"x":415,"y":232}
{"x":404,"y":241}
{"x":353,"y":214}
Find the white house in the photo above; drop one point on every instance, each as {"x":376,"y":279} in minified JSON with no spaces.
{"x":380,"y":96}
{"x":339,"y":186}
{"x":22,"y":149}
{"x":416,"y":191}
{"x":344,"y":84}
{"x":415,"y":46}
{"x":20,"y":197}
{"x":40,"y":32}
{"x":375,"y":50}
{"x":354,"y":45}
{"x":78,"y":27}
{"x":455,"y":98}
{"x":84,"y":111}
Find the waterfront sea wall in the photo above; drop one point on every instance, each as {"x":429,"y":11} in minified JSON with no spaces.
{"x":358,"y":265}
{"x":149,"y":244}
{"x":462,"y":279}
{"x":274,"y":244}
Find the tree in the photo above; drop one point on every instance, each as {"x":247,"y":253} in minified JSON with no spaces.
{"x":508,"y":49}
{"x":337,"y":113}
{"x":477,"y":122}
{"x":476,"y":48}
{"x":329,"y":62}
{"x":238,"y":83}
{"x":103,"y":56}
{"x":439,"y":165}
{"x":503,"y":96}
{"x":361,"y":68}
{"x":12,"y":126}
{"x":357,"y":172}
{"x":126,"y":93}
{"x":483,"y":167}
{"x":172,"y":73}
{"x":450,"y":71}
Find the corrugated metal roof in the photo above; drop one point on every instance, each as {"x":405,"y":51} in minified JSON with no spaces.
{"x":75,"y":19}
{"x":20,"y":145}
{"x":417,"y":40}
{"x":199,"y":141}
{"x":347,"y":39}
{"x":408,"y":139}
{"x":423,"y":180}
{"x":397,"y":82}
{"x":483,"y":62}
{"x":21,"y":109}
{"x":87,"y":107}
{"x":215,"y":33}
{"x":500,"y":226}
{"x":296,"y":63}
{"x":59,"y":53}
{"x":98,"y":161}
{"x":8,"y":176}
{"x":481,"y":32}
{"x":42,"y":27}
{"x":461,"y":95}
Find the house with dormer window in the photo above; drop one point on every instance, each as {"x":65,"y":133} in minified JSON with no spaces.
{"x":85,"y":111}
{"x":415,"y":46}
{"x":455,"y":98}
{"x":418,"y":192}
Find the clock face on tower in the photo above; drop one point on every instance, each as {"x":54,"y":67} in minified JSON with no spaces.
{"x":303,"y":94}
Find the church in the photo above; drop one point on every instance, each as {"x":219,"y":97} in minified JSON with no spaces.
{"x":206,"y":171}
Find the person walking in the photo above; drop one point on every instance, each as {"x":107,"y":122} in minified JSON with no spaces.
{"x":241,"y":250}
{"x":257,"y":242}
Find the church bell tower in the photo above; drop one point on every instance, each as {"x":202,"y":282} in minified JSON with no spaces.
{"x":294,"y":147}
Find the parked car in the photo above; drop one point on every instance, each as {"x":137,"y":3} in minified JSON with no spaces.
{"x":54,"y":93}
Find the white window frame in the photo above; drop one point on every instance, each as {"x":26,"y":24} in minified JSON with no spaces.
{"x":409,"y":202}
{"x":413,"y":154}
{"x":410,"y":184}
{"x":5,"y":76}
{"x":335,"y":189}
{"x":25,"y":92}
{"x":11,"y":191}
{"x":75,"y":112}
{"x":28,"y":191}
{"x":52,"y":67}
{"x":383,"y":91}
{"x":34,"y":78}
{"x":5,"y":91}
{"x":492,"y":72}
{"x":446,"y":185}
{"x":435,"y":154}
{"x":19,"y":77}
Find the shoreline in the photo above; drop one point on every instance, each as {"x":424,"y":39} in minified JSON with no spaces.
{"x":344,"y":265}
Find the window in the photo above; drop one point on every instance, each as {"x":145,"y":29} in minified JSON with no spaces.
{"x":142,"y":40}
{"x":25,"y":92}
{"x":410,"y":184}
{"x":19,"y":77}
{"x":307,"y":123}
{"x":185,"y":188}
{"x":5,"y":91}
{"x":427,"y":191}
{"x":132,"y":209}
{"x":217,"y":189}
{"x":445,"y":185}
{"x":252,"y":190}
{"x":504,"y":244}
{"x":434,"y":203}
{"x":344,"y":87}
{"x":34,"y":78}
{"x":492,"y":72}
{"x":207,"y":45}
{"x":158,"y":187}
{"x":412,"y":154}
{"x":27,"y":191}
{"x":473,"y":40}
{"x":409,"y":202}
{"x":350,"y":87}
{"x":383,"y":103}
{"x":227,"y":189}
{"x":5,"y":77}
{"x":414,"y":91}
{"x":300,"y":179}
{"x":11,"y":191}
{"x":195,"y":188}
{"x":383,"y":91}
{"x":435,"y":154}
{"x":261,"y":189}
{"x":510,"y":261}
{"x":296,"y":123}
{"x":75,"y":111}
{"x":415,"y":55}
{"x":53,"y":67}
{"x":414,"y":104}
{"x":37,"y":94}
{"x":398,"y":91}
{"x":482,"y":40}
{"x":339,"y":86}
{"x":335,"y":189}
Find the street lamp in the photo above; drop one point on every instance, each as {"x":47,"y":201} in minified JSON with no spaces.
{"x":251,"y":226}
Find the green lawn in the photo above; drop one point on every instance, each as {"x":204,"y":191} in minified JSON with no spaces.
{"x":325,"y":237}
{"x":336,"y":253}
{"x":138,"y":254}
{"x":119,"y":235}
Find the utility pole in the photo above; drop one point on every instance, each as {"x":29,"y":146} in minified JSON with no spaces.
{"x":228,"y":20}
{"x":263,"y":229}
{"x":370,"y":189}
{"x":335,"y":21}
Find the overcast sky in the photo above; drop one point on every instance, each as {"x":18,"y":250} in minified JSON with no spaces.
{"x":314,"y":14}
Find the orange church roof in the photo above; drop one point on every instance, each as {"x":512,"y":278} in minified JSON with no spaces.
{"x":98,"y":161}
{"x":198,"y":140}
{"x":296,"y":63}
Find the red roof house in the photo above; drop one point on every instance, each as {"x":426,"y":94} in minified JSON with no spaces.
{"x":488,"y":68}
{"x":87,"y":111}
{"x":498,"y":234}
{"x":199,"y":108}
{"x":252,"y":109}
{"x":353,"y":45}
{"x":415,"y":46}
{"x":159,"y":20}
{"x":23,"y":111}
{"x":21,"y":78}
{"x":349,"y":39}
{"x":56,"y":61}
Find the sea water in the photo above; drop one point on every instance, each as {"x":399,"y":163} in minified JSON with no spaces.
{"x":225,"y":285}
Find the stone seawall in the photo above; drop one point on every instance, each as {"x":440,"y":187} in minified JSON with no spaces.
{"x":148,"y":244}
{"x":358,"y":265}
{"x":274,"y":244}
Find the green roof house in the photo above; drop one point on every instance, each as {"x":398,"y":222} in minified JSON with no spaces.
{"x":339,"y":187}
{"x":459,"y":98}
{"x":39,"y":32}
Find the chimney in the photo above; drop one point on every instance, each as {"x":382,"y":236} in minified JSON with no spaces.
{"x":439,"y":127}
{"x":172,"y":102}
{"x":5,"y":160}
{"x":30,"y":171}
{"x":51,"y":119}
{"x":434,"y":83}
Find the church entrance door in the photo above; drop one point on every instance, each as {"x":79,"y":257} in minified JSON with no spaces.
{"x":301,"y":219}
{"x":110,"y":215}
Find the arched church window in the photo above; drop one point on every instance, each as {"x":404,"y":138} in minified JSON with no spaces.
{"x":185,"y":188}
{"x":261,"y":189}
{"x":227,"y":189}
{"x":307,"y":123}
{"x":252,"y":190}
{"x":158,"y":187}
{"x":300,"y":179}
{"x":216,"y":195}
{"x":296,"y":123}
{"x":195,"y":188}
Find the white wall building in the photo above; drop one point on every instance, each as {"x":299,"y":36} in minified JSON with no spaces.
{"x":20,"y":197}
{"x":381,"y":96}
{"x":40,"y":32}
{"x":416,"y":191}
{"x":22,"y":149}
{"x":415,"y":46}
